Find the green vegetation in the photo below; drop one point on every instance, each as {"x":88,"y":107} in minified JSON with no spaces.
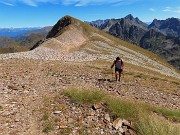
{"x":169,"y":114}
{"x":155,"y":126}
{"x":13,"y":49}
{"x":45,"y":117}
{"x":124,"y":108}
{"x":84,"y":96}
{"x":176,"y":83}
{"x":140,"y":76}
{"x":154,"y":78}
{"x":1,"y":108}
{"x":65,"y":131}
{"x":140,"y":113}
{"x":48,"y":128}
{"x":10,"y":45}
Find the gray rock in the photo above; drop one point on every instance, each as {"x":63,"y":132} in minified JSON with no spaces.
{"x":57,"y":112}
{"x":107,"y":117}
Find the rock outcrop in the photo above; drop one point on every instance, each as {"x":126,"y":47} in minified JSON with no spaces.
{"x":160,"y":37}
{"x":169,"y":27}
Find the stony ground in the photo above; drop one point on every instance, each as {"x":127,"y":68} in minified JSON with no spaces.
{"x":32,"y":83}
{"x":30,"y":89}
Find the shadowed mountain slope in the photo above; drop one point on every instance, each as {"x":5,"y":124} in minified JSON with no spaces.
{"x":160,"y":37}
{"x":169,"y":27}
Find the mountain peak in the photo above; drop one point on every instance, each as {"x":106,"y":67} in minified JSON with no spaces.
{"x":60,"y":25}
{"x":130,"y":17}
{"x":169,"y":27}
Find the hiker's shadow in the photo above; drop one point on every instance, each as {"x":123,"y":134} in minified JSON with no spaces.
{"x":105,"y":80}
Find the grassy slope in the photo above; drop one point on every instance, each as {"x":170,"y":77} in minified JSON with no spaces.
{"x":9,"y":45}
{"x":147,"y":77}
{"x":144,"y":125}
{"x":141,"y":114}
{"x":88,"y":30}
{"x":132,"y":74}
{"x":12,"y":49}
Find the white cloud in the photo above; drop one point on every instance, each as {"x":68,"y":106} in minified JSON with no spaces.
{"x":97,"y":2}
{"x":69,"y":2}
{"x":170,"y":9}
{"x":30,"y":2}
{"x":34,"y":3}
{"x":152,"y":9}
{"x":6,"y":3}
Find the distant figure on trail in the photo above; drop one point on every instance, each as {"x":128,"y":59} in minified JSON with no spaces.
{"x":119,"y":65}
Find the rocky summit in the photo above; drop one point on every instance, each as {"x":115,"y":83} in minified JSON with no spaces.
{"x":135,"y":31}
{"x":65,"y":85}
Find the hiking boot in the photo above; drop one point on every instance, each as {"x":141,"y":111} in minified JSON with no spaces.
{"x":119,"y":79}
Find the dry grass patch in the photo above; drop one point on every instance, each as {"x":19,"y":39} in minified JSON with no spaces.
{"x":150,"y":125}
{"x":84,"y":96}
{"x":139,"y":113}
{"x":1,"y":108}
{"x":48,"y":128}
{"x":173,"y":115}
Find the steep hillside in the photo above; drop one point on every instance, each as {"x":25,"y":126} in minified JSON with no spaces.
{"x":160,"y":37}
{"x":23,"y":42}
{"x":14,"y":32}
{"x":65,"y":85}
{"x":42,"y":31}
{"x":128,"y":28}
{"x":81,"y":41}
{"x":13,"y":49}
{"x":166,"y":47}
{"x":98,"y":23}
{"x":6,"y":41}
{"x":169,"y":27}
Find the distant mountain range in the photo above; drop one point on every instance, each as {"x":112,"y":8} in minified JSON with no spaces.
{"x":24,"y":41}
{"x":13,"y":32}
{"x":161,"y":36}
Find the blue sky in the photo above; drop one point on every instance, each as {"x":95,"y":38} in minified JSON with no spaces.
{"x":30,"y":13}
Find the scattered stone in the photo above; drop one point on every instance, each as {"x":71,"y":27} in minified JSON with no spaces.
{"x":70,"y":120}
{"x":16,"y":120}
{"x":121,"y":130}
{"x":107,"y":117}
{"x":57,"y":112}
{"x":57,"y":127}
{"x":62,"y":126}
{"x":126,"y":123}
{"x":37,"y":85}
{"x":96,"y":106}
{"x":117,"y":123}
{"x":125,"y":128}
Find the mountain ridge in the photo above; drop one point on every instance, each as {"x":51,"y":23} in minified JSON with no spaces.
{"x":83,"y":41}
{"x":135,"y":31}
{"x":39,"y":88}
{"x":129,"y":29}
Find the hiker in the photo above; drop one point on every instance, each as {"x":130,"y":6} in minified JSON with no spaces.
{"x":119,"y":65}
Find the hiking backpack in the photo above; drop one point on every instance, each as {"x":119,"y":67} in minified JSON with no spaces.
{"x":119,"y":63}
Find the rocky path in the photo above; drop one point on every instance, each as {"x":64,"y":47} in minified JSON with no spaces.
{"x":26,"y":84}
{"x":133,"y":57}
{"x":136,"y":91}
